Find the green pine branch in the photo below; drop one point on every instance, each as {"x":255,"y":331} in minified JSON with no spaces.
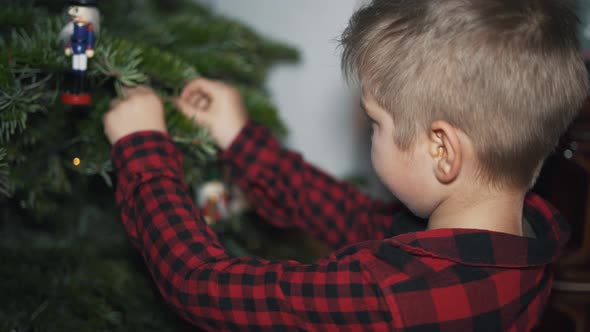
{"x":66,"y":263}
{"x":35,"y":45}
{"x":18,"y":14}
{"x":140,"y":43}
{"x":5,"y":186}
{"x":29,"y":93}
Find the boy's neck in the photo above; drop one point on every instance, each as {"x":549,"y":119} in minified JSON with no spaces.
{"x":497,"y":211}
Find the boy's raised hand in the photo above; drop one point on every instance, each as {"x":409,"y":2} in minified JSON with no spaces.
{"x":216,"y":106}
{"x":141,"y":110}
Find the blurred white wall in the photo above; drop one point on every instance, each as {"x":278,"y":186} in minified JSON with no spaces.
{"x":319,"y":109}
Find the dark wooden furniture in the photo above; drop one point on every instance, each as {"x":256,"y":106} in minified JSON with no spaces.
{"x":565,"y":182}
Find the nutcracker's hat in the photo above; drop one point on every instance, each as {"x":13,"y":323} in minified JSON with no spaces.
{"x":87,"y":3}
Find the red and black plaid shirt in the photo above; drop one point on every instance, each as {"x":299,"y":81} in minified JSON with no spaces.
{"x":388,"y":273}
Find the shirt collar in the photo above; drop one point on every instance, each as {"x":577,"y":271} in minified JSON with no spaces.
{"x":494,"y":249}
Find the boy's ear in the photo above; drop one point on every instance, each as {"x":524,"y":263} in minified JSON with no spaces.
{"x":445,"y":150}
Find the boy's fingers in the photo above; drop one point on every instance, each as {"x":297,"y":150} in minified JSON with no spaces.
{"x":114,"y":103}
{"x":205,"y":86}
{"x":144,"y":89}
{"x":199,"y":100}
{"x":190,"y":111}
{"x":128,"y":90}
{"x":135,"y":90}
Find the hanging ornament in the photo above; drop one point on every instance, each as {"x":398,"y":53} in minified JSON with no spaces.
{"x":213,"y":200}
{"x":216,"y":201}
{"x":79,"y":37}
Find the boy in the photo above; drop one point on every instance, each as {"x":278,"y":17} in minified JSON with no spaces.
{"x":466,"y":99}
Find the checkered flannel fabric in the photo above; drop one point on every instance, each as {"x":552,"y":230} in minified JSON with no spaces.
{"x":388,"y":273}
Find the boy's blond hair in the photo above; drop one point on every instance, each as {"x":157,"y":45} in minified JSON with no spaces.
{"x":508,"y":73}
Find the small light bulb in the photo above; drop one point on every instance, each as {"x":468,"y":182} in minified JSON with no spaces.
{"x":76,"y":161}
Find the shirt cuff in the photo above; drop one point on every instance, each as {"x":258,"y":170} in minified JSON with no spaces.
{"x":252,"y":143}
{"x":145,"y":151}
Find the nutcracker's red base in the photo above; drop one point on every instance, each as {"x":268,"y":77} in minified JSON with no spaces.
{"x":76,"y":99}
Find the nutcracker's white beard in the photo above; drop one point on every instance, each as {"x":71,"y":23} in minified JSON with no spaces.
{"x":79,"y":62}
{"x":92,"y":16}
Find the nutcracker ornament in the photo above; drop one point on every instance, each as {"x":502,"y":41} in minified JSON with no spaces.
{"x":79,"y":37}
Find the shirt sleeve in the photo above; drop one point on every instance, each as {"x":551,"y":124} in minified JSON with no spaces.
{"x":216,"y":291}
{"x":288,"y":191}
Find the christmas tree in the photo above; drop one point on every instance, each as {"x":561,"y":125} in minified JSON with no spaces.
{"x":66,"y":264}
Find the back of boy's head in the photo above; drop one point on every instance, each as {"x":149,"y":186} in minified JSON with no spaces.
{"x":508,"y":73}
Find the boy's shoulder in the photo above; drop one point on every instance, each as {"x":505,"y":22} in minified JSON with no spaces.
{"x":546,"y":233}
{"x":464,"y":278}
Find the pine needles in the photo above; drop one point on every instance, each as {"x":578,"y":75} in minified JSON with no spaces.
{"x":65,"y":261}
{"x":139,"y":44}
